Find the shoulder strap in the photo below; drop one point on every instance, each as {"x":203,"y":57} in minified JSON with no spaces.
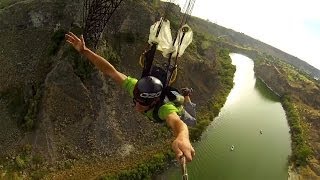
{"x":171,"y":93}
{"x":155,"y":114}
{"x":167,"y":92}
{"x":159,"y":73}
{"x":149,"y":57}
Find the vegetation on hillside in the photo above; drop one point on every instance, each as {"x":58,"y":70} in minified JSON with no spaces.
{"x":143,"y":170}
{"x":295,"y":76}
{"x":300,"y":149}
{"x":299,"y":97}
{"x":24,"y":161}
{"x":6,"y":3}
{"x":23,"y":105}
{"x":225,"y":75}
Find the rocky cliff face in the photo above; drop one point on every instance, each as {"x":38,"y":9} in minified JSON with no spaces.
{"x":277,"y":80}
{"x":25,"y":31}
{"x":45,"y":105}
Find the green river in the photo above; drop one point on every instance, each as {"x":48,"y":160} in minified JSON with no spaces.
{"x":254,"y":122}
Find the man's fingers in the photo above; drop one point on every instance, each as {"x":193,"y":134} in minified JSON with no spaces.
{"x":82,"y":39}
{"x":177,"y":151}
{"x":179,"y":155}
{"x":189,"y":154}
{"x":69,"y":38}
{"x":193,"y":152}
{"x":183,"y":150}
{"x":69,"y":41}
{"x":73,"y":36}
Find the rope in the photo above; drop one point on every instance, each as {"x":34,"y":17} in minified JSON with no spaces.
{"x":141,"y":60}
{"x":171,"y":68}
{"x":173,"y":76}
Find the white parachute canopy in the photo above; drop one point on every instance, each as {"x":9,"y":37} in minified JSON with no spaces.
{"x":164,"y":39}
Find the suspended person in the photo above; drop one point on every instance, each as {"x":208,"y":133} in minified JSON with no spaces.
{"x":160,"y":39}
{"x":146,"y":94}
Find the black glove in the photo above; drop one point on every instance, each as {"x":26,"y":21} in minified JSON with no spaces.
{"x":186,"y":91}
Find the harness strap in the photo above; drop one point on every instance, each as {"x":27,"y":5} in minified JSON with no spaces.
{"x":155,"y":114}
{"x":167,"y":92}
{"x":149,"y":57}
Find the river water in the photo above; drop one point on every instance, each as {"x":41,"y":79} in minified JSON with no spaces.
{"x":253,"y":121}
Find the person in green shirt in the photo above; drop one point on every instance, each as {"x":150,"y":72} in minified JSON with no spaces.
{"x":147,"y":91}
{"x":146,"y":94}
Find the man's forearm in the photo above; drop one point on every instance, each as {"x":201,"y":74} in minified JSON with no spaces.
{"x":181,"y":131}
{"x":102,"y":64}
{"x":181,"y":145}
{"x":99,"y":62}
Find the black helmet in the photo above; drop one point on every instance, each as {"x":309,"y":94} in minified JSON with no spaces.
{"x":147,"y":90}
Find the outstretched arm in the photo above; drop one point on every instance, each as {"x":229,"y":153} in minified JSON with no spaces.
{"x":101,"y":63}
{"x":181,"y":145}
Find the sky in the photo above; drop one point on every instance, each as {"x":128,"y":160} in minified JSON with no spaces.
{"x":292,"y":26}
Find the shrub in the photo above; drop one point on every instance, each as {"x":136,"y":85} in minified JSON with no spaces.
{"x":56,"y":39}
{"x":300,"y":149}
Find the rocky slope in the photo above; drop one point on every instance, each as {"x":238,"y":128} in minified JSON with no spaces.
{"x":52,"y":116}
{"x":55,"y":120}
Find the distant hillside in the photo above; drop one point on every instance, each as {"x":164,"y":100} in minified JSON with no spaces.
{"x":243,"y":40}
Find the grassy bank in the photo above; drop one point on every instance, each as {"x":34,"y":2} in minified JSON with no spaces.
{"x":300,"y":149}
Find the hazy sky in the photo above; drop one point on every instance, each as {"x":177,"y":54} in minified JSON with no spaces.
{"x":290,"y":25}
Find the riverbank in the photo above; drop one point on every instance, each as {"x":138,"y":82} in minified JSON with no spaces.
{"x":250,"y":107}
{"x":292,"y":174}
{"x":300,"y":99}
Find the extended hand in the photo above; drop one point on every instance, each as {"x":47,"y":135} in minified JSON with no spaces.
{"x":183,"y":147}
{"x":77,"y":43}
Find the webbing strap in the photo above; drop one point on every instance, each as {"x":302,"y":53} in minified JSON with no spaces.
{"x":149,"y":57}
